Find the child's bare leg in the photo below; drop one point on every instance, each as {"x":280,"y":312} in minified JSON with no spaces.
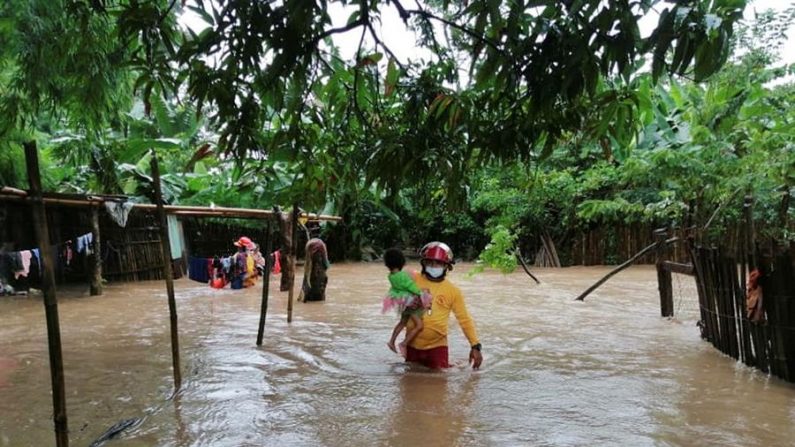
{"x":395,"y":332}
{"x":410,"y":335}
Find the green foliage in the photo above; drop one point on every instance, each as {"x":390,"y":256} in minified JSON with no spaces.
{"x":557,"y":127}
{"x":499,"y":253}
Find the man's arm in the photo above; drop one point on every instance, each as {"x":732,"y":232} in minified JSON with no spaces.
{"x":468,"y":326}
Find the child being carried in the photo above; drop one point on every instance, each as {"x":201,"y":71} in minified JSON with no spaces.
{"x":406,"y":297}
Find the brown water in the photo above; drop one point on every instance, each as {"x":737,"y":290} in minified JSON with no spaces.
{"x":607,"y":371}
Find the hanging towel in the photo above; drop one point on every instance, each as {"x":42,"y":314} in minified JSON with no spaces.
{"x":84,"y":243}
{"x":25,"y":258}
{"x":119,"y":211}
{"x":35,"y":253}
{"x":197,"y":269}
{"x":174,"y":236}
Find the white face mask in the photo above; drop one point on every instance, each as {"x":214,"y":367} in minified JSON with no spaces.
{"x":434,"y":272}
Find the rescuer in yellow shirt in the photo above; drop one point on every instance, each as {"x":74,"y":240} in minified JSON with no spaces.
{"x":429,"y":348}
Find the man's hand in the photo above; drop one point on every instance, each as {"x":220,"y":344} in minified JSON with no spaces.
{"x":475,"y":358}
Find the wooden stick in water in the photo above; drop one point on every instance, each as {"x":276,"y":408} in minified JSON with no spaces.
{"x":293,"y":249}
{"x":50,"y":301}
{"x":165,"y":248}
{"x":266,"y":284}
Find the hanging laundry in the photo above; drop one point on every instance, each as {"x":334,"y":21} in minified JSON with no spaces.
{"x":226,"y":265}
{"x":197,"y":269}
{"x":277,"y":264}
{"x":84,"y":243}
{"x":119,"y":211}
{"x":89,"y":243}
{"x":174,"y":236}
{"x":25,"y":259}
{"x":35,"y":252}
{"x":16,"y":260}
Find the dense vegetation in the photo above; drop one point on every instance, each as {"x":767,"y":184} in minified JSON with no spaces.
{"x":529,"y":119}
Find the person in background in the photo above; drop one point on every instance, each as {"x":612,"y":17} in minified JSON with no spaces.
{"x":259,"y":260}
{"x":244,"y":272}
{"x":315,"y":278}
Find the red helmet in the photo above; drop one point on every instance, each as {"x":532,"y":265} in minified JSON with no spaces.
{"x":437,"y":251}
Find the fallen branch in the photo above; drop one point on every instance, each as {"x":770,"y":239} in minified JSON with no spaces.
{"x":524,"y":266}
{"x":115,"y":430}
{"x":624,"y":265}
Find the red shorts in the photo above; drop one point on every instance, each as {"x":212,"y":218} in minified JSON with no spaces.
{"x":434,"y":358}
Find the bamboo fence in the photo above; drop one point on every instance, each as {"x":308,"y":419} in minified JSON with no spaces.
{"x":720,"y":279}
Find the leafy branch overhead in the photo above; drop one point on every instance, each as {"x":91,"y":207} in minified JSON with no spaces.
{"x":260,"y":71}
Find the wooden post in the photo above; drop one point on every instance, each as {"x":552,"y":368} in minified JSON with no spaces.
{"x":266,"y":283}
{"x":50,"y":300}
{"x":288,"y":270}
{"x":96,"y":275}
{"x":165,"y":249}
{"x":663,"y":276}
{"x":293,"y":250}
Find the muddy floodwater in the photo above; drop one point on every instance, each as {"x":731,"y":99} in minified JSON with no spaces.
{"x":607,"y":371}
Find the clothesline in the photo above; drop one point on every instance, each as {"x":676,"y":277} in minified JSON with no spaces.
{"x":20,"y":260}
{"x":7,"y":193}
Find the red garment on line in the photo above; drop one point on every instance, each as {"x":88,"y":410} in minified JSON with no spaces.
{"x":277,"y":263}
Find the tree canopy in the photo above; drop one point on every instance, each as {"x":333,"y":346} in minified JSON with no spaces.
{"x":526,"y":115}
{"x":265,"y":73}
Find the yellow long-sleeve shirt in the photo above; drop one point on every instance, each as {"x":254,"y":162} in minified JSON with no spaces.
{"x":446,"y":298}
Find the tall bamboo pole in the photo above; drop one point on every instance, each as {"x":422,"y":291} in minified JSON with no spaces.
{"x":165,"y":248}
{"x":50,"y":300}
{"x":96,"y":275}
{"x":266,"y":283}
{"x":293,"y":250}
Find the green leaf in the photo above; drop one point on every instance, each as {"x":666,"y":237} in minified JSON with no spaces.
{"x":392,"y":74}
{"x":204,"y":15}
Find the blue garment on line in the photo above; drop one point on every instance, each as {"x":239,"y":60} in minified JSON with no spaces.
{"x":197,"y":269}
{"x":84,"y":243}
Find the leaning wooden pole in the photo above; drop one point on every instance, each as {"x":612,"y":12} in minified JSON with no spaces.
{"x":266,"y":281}
{"x":50,"y":300}
{"x":165,"y":249}
{"x":96,"y":274}
{"x":293,"y":250}
{"x":524,"y":266}
{"x":623,"y":266}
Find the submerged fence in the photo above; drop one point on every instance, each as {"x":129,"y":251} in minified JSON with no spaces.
{"x":768,"y":344}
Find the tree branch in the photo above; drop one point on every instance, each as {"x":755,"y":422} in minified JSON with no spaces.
{"x":379,"y":42}
{"x":465,"y":30}
{"x":356,"y":78}
{"x":342,"y":29}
